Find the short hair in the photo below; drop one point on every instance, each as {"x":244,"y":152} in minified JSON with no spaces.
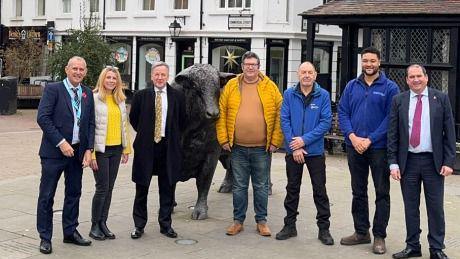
{"x":371,"y":50}
{"x":75,"y":58}
{"x":307,"y":62}
{"x":159,"y":64}
{"x":416,"y":65}
{"x":250,"y":54}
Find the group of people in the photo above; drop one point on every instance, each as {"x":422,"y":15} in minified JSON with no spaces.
{"x":408,"y":136}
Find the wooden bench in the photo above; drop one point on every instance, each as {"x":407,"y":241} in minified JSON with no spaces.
{"x":30,"y":92}
{"x":335,"y":137}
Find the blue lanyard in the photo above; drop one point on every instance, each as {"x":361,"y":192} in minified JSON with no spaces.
{"x":76,"y":104}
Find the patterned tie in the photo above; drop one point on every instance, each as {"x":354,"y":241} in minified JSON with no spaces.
{"x":158,"y":113}
{"x":416,"y":123}
{"x":76,"y":104}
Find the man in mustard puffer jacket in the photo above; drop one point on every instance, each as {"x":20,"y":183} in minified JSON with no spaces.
{"x":249,"y":127}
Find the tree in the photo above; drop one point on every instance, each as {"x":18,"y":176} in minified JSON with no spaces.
{"x":23,"y":59}
{"x":87,"y":43}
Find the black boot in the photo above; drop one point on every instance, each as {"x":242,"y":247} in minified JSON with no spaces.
{"x":96,"y":232}
{"x":107,"y":233}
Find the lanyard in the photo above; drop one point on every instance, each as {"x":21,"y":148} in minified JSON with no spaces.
{"x":76,"y":99}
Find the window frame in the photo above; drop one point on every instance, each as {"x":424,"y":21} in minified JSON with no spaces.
{"x":123,"y":4}
{"x":96,"y":6}
{"x":243,"y":4}
{"x":148,"y":10}
{"x":37,"y":9}
{"x":63,"y":3}
{"x":16,"y":8}
{"x":182,"y":5}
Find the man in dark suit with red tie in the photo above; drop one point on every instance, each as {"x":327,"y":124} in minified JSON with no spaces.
{"x":66,"y":117}
{"x":158,"y":116}
{"x":421,"y":149}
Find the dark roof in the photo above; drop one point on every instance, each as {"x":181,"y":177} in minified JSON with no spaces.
{"x":377,"y":7}
{"x":367,"y":12}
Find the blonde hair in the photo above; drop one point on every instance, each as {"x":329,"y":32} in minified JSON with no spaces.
{"x":118,"y":94}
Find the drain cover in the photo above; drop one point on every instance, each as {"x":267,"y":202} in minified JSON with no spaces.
{"x":186,"y":241}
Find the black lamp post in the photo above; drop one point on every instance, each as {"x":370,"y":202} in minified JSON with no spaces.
{"x":174,"y":29}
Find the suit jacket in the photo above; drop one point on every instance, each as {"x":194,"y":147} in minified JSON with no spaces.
{"x":142,"y":118}
{"x":441,"y":126}
{"x":55,"y":117}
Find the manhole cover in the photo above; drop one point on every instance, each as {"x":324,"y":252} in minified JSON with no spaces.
{"x":186,"y":241}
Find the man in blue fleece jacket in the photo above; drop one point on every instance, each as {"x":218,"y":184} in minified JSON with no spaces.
{"x":364,"y":109}
{"x":305,"y":118}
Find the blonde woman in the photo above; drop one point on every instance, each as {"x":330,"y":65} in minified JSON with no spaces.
{"x":111,"y":144}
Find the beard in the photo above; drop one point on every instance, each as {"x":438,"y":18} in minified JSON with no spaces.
{"x":372,"y":73}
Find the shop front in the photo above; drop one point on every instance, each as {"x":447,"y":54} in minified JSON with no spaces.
{"x":225,"y":53}
{"x":149,"y":50}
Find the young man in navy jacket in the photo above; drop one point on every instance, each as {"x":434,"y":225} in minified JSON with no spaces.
{"x":364,"y":109}
{"x":305,"y":118}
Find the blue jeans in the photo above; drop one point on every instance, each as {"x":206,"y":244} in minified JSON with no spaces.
{"x":250,"y":162}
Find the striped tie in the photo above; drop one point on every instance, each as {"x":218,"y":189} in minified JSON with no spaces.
{"x":158,"y":113}
{"x":76,"y":104}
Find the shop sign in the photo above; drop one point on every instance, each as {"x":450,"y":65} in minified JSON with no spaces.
{"x":229,"y":40}
{"x":240,"y":21}
{"x":24,"y":33}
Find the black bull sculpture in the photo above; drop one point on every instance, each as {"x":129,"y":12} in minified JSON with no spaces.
{"x":201,"y":85}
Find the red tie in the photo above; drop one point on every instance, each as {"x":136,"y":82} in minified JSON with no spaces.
{"x":416,"y":123}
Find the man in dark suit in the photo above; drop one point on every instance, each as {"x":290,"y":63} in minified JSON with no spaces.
{"x":421,"y":149}
{"x":157,"y":115}
{"x":66,"y":117}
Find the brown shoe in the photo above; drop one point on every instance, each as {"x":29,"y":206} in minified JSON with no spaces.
{"x":379,"y":246}
{"x":263,"y":229}
{"x":356,"y":239}
{"x":234,"y":229}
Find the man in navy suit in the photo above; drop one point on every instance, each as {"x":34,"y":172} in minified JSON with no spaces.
{"x":66,"y":117}
{"x":421,"y":149}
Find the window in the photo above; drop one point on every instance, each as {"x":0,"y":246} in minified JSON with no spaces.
{"x":235,"y":3}
{"x":93,"y":6}
{"x":148,"y":5}
{"x":18,"y":6}
{"x":120,"y":5}
{"x":66,"y":6}
{"x":181,"y":4}
{"x":40,"y":7}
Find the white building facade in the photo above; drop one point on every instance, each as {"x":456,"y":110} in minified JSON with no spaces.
{"x":217,"y":32}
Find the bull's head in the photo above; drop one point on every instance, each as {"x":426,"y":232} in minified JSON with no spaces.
{"x":201,"y":87}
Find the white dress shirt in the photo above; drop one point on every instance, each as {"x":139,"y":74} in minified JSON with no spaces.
{"x":425,"y":130}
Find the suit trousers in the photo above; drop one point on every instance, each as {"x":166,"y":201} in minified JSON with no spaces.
{"x":165,"y":188}
{"x":51,"y":172}
{"x":359,"y":165}
{"x":317,"y":168}
{"x":108,"y":164}
{"x":420,"y":169}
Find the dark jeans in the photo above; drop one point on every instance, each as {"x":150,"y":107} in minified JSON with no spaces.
{"x":420,"y":169}
{"x":165,"y":188}
{"x":317,"y":168}
{"x":108,"y":163}
{"x":250,"y":162}
{"x":51,"y":172}
{"x":359,"y":165}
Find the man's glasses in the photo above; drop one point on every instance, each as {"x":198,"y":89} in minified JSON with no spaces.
{"x":248,"y":65}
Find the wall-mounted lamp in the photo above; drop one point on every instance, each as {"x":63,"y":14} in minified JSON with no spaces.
{"x":174,"y":29}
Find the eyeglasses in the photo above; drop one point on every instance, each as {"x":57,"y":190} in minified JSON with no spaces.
{"x":111,"y":67}
{"x":250,"y":65}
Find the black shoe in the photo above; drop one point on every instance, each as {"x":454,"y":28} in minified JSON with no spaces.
{"x":107,"y":233}
{"x":169,"y":232}
{"x":45,"y":247}
{"x":325,"y":237}
{"x":96,"y":232}
{"x":287,"y":232}
{"x":77,"y":239}
{"x":137,"y":233}
{"x":407,"y":253}
{"x":438,"y":255}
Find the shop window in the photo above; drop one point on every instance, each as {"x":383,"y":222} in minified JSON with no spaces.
{"x":94,"y":6}
{"x":148,"y":5}
{"x":120,"y":5}
{"x":18,"y":8}
{"x":66,"y":6}
{"x":181,"y":4}
{"x":40,"y":7}
{"x":148,"y":54}
{"x":228,"y":58}
{"x":235,"y":3}
{"x":122,"y":55}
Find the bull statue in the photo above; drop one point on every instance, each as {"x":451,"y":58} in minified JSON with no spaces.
{"x":200,"y":84}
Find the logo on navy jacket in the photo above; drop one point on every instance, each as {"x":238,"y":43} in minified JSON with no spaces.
{"x":379,"y":93}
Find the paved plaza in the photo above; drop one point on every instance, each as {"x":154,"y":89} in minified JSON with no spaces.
{"x":20,"y":175}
